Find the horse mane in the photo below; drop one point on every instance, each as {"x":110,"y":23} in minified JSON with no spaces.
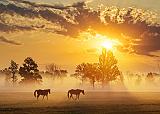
{"x":81,"y":90}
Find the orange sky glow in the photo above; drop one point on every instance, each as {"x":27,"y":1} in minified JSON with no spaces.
{"x":68,"y":43}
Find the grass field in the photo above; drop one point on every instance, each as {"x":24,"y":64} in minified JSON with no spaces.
{"x":90,"y":103}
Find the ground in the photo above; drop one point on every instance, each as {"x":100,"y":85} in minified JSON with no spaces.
{"x":90,"y":103}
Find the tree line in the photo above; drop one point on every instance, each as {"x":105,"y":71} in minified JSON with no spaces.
{"x":104,"y":71}
{"x":28,"y":71}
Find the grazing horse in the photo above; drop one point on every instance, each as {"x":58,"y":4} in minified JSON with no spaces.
{"x":75,"y":92}
{"x":42,"y":92}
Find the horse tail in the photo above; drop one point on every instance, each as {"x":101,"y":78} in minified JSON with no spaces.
{"x":35,"y":93}
{"x":68,"y":94}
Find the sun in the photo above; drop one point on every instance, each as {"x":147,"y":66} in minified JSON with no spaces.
{"x":107,"y":43}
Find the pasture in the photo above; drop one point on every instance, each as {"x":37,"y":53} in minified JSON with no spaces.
{"x":90,"y":103}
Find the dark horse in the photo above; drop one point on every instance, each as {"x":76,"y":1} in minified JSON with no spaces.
{"x":75,"y":92}
{"x":42,"y":92}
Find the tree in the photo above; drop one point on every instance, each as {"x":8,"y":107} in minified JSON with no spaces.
{"x":56,"y":71}
{"x":88,"y":70}
{"x":138,"y":80}
{"x":7,"y":73}
{"x":105,"y":71}
{"x":108,"y":67}
{"x":63,"y":72}
{"x":29,"y":72}
{"x":92,"y":72}
{"x":150,"y":78}
{"x":13,"y":69}
{"x":51,"y":68}
{"x":80,"y":71}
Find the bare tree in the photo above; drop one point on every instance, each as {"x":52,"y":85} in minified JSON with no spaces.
{"x":55,"y":70}
{"x":51,"y":68}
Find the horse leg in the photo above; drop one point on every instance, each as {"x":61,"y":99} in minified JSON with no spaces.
{"x":43,"y":97}
{"x":75,"y":97}
{"x":78,"y":96}
{"x":71,"y":96}
{"x":47,"y":97}
{"x":38,"y":96}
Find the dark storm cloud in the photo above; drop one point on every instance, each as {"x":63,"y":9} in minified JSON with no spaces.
{"x":76,"y":18}
{"x":3,"y":39}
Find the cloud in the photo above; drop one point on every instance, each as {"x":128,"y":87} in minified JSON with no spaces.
{"x":11,"y":28}
{"x":134,"y":27}
{"x":3,"y":39}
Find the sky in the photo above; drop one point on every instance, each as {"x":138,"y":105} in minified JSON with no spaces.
{"x":48,"y":36}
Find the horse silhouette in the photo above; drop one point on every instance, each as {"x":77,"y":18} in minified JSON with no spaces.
{"x":42,"y":92}
{"x":75,"y":92}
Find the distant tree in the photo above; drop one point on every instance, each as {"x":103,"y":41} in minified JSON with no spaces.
{"x":108,"y":67}
{"x":56,"y":71}
{"x":150,"y":78}
{"x":51,"y":68}
{"x":64,"y":72}
{"x":7,"y":73}
{"x":13,"y":69}
{"x":80,"y":71}
{"x":138,"y":80}
{"x":29,"y":72}
{"x":120,"y":79}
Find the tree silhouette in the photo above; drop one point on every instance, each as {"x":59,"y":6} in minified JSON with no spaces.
{"x":150,"y":78}
{"x":92,"y":72}
{"x":138,"y":80}
{"x":63,"y":72}
{"x":105,"y":71}
{"x":29,"y":71}
{"x":108,"y":67}
{"x":51,"y":68}
{"x":88,"y":70}
{"x":55,"y":70}
{"x":7,"y":73}
{"x":80,"y":71}
{"x":13,"y":69}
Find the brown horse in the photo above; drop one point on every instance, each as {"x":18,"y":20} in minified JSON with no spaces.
{"x":42,"y":92}
{"x":75,"y":92}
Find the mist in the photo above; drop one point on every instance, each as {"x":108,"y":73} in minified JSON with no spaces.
{"x":129,"y":82}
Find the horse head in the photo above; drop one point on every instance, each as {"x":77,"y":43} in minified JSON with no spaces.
{"x":49,"y":91}
{"x":82,"y":92}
